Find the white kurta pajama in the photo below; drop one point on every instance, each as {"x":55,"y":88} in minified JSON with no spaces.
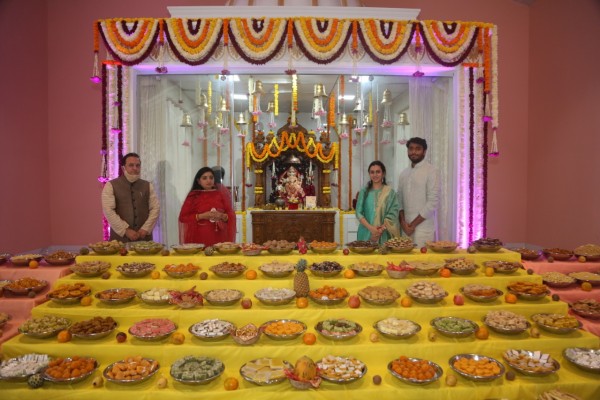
{"x":419,"y":194}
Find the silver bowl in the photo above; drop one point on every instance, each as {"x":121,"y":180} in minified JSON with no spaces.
{"x":362,"y":250}
{"x":438,"y":373}
{"x":428,"y":268}
{"x":152,"y":302}
{"x":21,"y":261}
{"x":559,"y":284}
{"x":558,"y":256}
{"x":435,"y":323}
{"x":362,"y":272}
{"x":585,"y":314}
{"x":570,"y":353}
{"x":181,"y":274}
{"x":530,"y":297}
{"x":463,"y":271}
{"x":60,"y":261}
{"x":228,"y":302}
{"x":131,"y":293}
{"x":43,"y":335}
{"x":275,"y":274}
{"x":328,"y":302}
{"x":423,"y":300}
{"x":276,"y":302}
{"x":252,"y":252}
{"x":326,"y":274}
{"x":129,"y":381}
{"x":342,"y":381}
{"x":105,"y":251}
{"x":147,"y":251}
{"x":554,"y":329}
{"x":486,"y":248}
{"x":280,"y":251}
{"x":282,"y":378}
{"x":79,"y":271}
{"x":323,"y":250}
{"x":399,"y":336}
{"x":93,"y":336}
{"x":198,"y":381}
{"x":503,"y":267}
{"x":397,"y":274}
{"x":72,"y":380}
{"x":139,"y":273}
{"x":188,"y":249}
{"x":209,"y":337}
{"x":41,"y":361}
{"x":24,"y":291}
{"x":477,"y":378}
{"x":507,"y":331}
{"x":441,"y":249}
{"x":283,"y":337}
{"x":227,"y":274}
{"x":406,"y":249}
{"x":338,"y":336}
{"x":228,"y":250}
{"x":524,"y":371}
{"x":481,"y":299}
{"x":67,"y":300}
{"x":153,"y":338}
{"x":378,"y":302}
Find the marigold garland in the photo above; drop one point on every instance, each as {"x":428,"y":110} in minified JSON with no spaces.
{"x":96,"y":36}
{"x":354,"y":36}
{"x":290,"y":33}
{"x":294,"y":141}
{"x":487,"y":60}
{"x":226,"y":32}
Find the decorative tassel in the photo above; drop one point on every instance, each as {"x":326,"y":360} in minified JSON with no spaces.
{"x":487,"y":115}
{"x":95,"y":70}
{"x":494,"y":148}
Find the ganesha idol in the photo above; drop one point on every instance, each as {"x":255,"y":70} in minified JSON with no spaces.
{"x":290,"y":188}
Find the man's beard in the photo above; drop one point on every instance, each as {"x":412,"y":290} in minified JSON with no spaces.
{"x":418,"y":159}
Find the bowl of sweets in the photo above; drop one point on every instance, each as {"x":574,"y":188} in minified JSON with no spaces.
{"x":180,"y":271}
{"x":69,"y":293}
{"x":506,"y":322}
{"x":531,"y":363}
{"x":252,"y":249}
{"x":396,"y":328}
{"x":557,"y":323}
{"x":60,"y":257}
{"x":328,"y":295}
{"x":584,"y":358}
{"x":503,"y":267}
{"x":44,"y":327}
{"x":146,"y":247}
{"x":227,"y":248}
{"x":322,"y":247}
{"x":152,"y":329}
{"x":340,"y":369}
{"x":108,"y":248}
{"x":480,"y":293}
{"x":196,"y":370}
{"x":90,"y":269}
{"x":528,"y":290}
{"x":275,"y":296}
{"x":23,"y":286}
{"x":70,"y":370}
{"x":362,"y":246}
{"x":283,"y":329}
{"x":442,"y":246}
{"x":326,"y":269}
{"x":131,"y":370}
{"x":277,"y":269}
{"x":400,"y":245}
{"x":187,"y":248}
{"x":23,"y":260}
{"x":279,"y":246}
{"x":487,"y":245}
{"x":591,"y":252}
{"x":379,"y":295}
{"x":558,"y":254}
{"x":366,"y":268}
{"x":211,"y":330}
{"x":93,"y":329}
{"x":338,"y":329}
{"x":116,"y":296}
{"x":476,"y":367}
{"x":415,"y":371}
{"x":136,"y":269}
{"x":223,"y":297}
{"x":228,"y":269}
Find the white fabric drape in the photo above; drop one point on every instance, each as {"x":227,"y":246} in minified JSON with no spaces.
{"x":165,"y":162}
{"x":430,"y":116}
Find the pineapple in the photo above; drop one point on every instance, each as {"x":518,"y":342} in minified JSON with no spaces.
{"x":301,"y":285}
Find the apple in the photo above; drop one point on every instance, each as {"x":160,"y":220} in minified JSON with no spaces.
{"x":354,"y":301}
{"x":302,"y":250}
{"x":123,"y":251}
{"x":121,"y":337}
{"x":246,"y":303}
{"x":458,"y":300}
{"x":346,"y":252}
{"x":423,"y":249}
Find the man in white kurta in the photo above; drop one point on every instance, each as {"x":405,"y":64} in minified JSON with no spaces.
{"x":419,"y":195}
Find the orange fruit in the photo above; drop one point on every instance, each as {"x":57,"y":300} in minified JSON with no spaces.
{"x":482,"y":333}
{"x":406,"y":302}
{"x":33,"y":264}
{"x":510,"y":298}
{"x":251,"y":274}
{"x":86,"y":300}
{"x":586,"y":286}
{"x":231,"y":383}
{"x":489,"y":271}
{"x":349,"y":274}
{"x":64,"y":336}
{"x":155,"y":275}
{"x":309,"y":338}
{"x":177,"y":338}
{"x":445,"y":273}
{"x":301,"y":302}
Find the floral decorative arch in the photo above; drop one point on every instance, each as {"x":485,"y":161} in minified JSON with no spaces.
{"x":469,"y":46}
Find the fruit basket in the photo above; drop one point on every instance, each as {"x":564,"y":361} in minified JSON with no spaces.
{"x":194,"y":370}
{"x":433,"y":370}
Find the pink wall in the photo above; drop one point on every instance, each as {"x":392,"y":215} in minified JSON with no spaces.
{"x":24,"y":208}
{"x":564,"y":124}
{"x":66,"y":159}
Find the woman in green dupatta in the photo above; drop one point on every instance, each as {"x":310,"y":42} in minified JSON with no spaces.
{"x":377,"y":208}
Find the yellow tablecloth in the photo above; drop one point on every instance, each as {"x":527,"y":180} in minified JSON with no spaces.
{"x":375,"y":355}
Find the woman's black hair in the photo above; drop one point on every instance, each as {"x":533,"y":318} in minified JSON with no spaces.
{"x":201,"y":171}
{"x":376,"y":162}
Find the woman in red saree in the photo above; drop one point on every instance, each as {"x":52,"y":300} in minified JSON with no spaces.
{"x":207,"y":215}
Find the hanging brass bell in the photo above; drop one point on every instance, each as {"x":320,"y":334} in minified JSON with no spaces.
{"x":242,"y":119}
{"x":367,"y":123}
{"x":344,"y":120}
{"x":203,"y":101}
{"x":358,"y":106}
{"x":403,"y":119}
{"x":387,"y":97}
{"x":258,"y":88}
{"x":224,"y":106}
{"x":271,"y":107}
{"x":319,"y":90}
{"x":186,"y":122}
